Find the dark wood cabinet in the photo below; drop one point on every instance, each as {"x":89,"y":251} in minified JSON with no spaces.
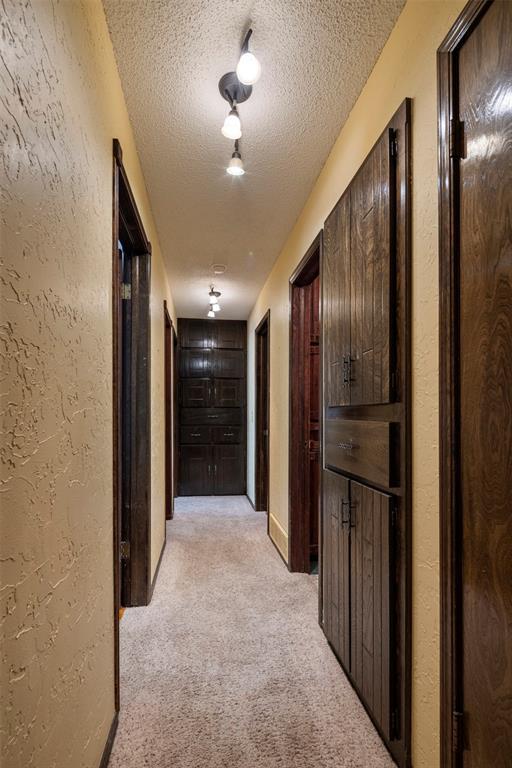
{"x":366,"y":472}
{"x":212,"y":407}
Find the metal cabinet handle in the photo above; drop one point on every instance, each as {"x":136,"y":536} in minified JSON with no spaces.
{"x":229,"y":434}
{"x":195,"y":434}
{"x":210,"y":416}
{"x":348,"y":446}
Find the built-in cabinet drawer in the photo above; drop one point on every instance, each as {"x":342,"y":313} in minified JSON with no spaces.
{"x":367,"y":449}
{"x":213,"y":416}
{"x":195,"y":435}
{"x":227,"y":434}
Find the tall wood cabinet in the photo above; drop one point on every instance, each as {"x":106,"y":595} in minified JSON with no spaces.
{"x":366,"y":440}
{"x":212,"y":366}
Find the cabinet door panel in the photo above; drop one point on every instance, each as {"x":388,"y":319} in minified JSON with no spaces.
{"x":227,"y":434}
{"x":196,"y":476}
{"x":227,"y":393}
{"x":195,"y":363}
{"x":228,"y":364}
{"x":229,"y":469}
{"x":336,"y":303}
{"x":371,"y":587}
{"x":195,"y":334}
{"x":229,"y":335}
{"x":336,"y":564}
{"x":211,"y":416}
{"x":195,"y":393}
{"x":371,"y":266}
{"x":195,"y":435}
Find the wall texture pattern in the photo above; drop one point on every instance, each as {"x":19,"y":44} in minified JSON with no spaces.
{"x":60,"y":106}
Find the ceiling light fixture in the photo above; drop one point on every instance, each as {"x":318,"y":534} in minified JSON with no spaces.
{"x":232,"y":128}
{"x":216,"y":307}
{"x":236,"y":166}
{"x":211,"y":313}
{"x":248,"y":69}
{"x":213,"y":296}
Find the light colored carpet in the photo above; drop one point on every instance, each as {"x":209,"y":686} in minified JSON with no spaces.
{"x":227,"y":667}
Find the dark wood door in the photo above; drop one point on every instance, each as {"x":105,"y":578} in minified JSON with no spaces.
{"x":196,"y":470}
{"x":227,"y":393}
{"x":229,"y":335}
{"x":336,"y":564}
{"x":371,"y":599}
{"x":228,"y":469}
{"x":371,"y":263}
{"x":195,"y":393}
{"x":195,"y":334}
{"x":312,"y":417}
{"x":485,"y":375}
{"x":262,"y":341}
{"x":195,"y":363}
{"x":336,"y":304}
{"x":228,"y":364}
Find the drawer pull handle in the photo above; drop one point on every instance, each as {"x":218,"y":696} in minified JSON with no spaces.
{"x":229,"y":434}
{"x":348,"y":446}
{"x":195,"y":434}
{"x":212,"y":417}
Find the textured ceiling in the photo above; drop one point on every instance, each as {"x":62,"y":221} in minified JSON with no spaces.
{"x":316,"y":56}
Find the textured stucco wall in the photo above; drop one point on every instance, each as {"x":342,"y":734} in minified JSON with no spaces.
{"x":60,"y":106}
{"x":406,"y":67}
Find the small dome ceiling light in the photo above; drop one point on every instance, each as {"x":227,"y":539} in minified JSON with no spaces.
{"x":248,"y":69}
{"x":232,"y":128}
{"x":215,"y":307}
{"x":211,"y":313}
{"x":236,"y":166}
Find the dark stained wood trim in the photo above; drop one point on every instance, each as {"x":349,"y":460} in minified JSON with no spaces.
{"x":298,"y":522}
{"x":110,"y":742}
{"x":175,"y":418}
{"x":116,"y":410}
{"x":169,"y":413}
{"x":259,"y":504}
{"x":450,"y":564}
{"x":157,"y":570}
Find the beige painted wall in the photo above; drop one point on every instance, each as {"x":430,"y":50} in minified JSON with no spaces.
{"x":61,"y":106}
{"x":406,"y":67}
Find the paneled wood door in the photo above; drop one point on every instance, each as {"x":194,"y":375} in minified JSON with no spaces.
{"x":228,"y":469}
{"x":195,"y":393}
{"x":336,"y":565}
{"x":227,"y":393}
{"x":336,"y":304}
{"x":196,"y":472}
{"x":372,"y":576}
{"x":371,"y":262}
{"x":475,"y":118}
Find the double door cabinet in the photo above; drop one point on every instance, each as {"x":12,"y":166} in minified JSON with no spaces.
{"x":366,"y":447}
{"x":212,"y":365}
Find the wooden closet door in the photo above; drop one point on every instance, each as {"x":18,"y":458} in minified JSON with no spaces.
{"x":227,"y":393}
{"x":195,"y":362}
{"x":372,"y":260}
{"x":228,"y":469}
{"x":195,"y":393}
{"x":371,"y":579}
{"x":336,"y":304}
{"x":336,"y":564}
{"x":229,"y":335}
{"x":196,"y":470}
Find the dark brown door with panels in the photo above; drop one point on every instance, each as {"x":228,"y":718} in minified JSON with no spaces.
{"x":366,"y":434}
{"x":212,"y":407}
{"x":475,"y":130}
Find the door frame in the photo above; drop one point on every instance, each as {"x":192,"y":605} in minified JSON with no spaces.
{"x":125,"y":216}
{"x":170,"y":412}
{"x":298,"y":533}
{"x":261,"y":477}
{"x":449,"y":436}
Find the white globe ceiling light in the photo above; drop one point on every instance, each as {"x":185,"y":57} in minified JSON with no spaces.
{"x":232,"y":128}
{"x":236,"y":166}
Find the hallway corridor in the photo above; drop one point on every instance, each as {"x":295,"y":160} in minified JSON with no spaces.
{"x":228,"y":666}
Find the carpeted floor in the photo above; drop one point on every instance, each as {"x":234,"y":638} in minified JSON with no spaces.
{"x":227,"y":667}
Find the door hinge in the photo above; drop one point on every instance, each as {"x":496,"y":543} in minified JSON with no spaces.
{"x":393,"y":143}
{"x":126,"y":291}
{"x":457,"y":731}
{"x":457,"y":139}
{"x":125,"y":550}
